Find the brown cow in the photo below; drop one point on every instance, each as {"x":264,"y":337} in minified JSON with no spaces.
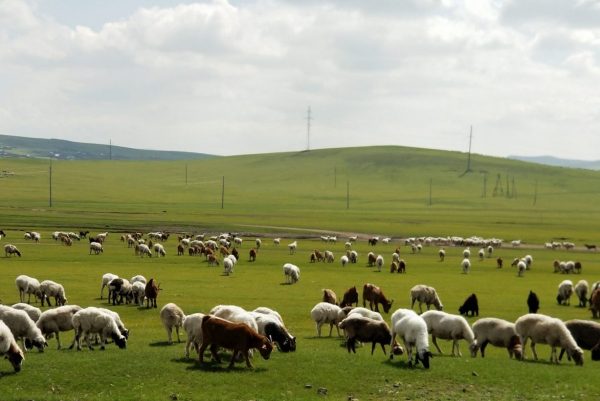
{"x":350,"y":297}
{"x":374,"y":295}
{"x":237,"y":337}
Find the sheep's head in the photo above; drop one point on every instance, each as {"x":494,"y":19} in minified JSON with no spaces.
{"x":423,"y":356}
{"x":119,"y":340}
{"x":15,"y":357}
{"x":473,"y":348}
{"x":577,"y":355}
{"x":387,"y":306}
{"x":266,"y":348}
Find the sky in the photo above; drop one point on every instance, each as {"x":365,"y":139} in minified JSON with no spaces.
{"x":237,"y":77}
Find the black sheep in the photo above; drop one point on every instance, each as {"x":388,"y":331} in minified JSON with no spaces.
{"x":533,"y":302}
{"x":471,"y":305}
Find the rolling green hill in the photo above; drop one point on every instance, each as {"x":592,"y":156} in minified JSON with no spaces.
{"x":17,"y":146}
{"x":395,"y":191}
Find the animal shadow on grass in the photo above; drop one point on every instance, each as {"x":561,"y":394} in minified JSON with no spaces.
{"x":402,"y":364}
{"x":2,"y":374}
{"x":222,"y":367}
{"x":162,"y":344}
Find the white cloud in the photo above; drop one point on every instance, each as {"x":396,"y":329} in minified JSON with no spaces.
{"x":236,"y":77}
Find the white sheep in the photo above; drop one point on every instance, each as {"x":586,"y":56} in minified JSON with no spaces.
{"x":106,"y":279}
{"x":528,"y":261}
{"x":291,"y":273}
{"x":276,"y":241}
{"x":467,"y":253}
{"x":192,"y":324}
{"x":258,"y":243}
{"x":582,"y":289}
{"x":329,"y":258}
{"x":413,"y":331}
{"x":490,"y":251}
{"x":271,"y":326}
{"x":117,"y":320}
{"x":366,"y":313}
{"x":499,"y":333}
{"x":481,"y":253}
{"x":547,"y":330}
{"x":236,"y":314}
{"x":267,"y":311}
{"x":466,"y":266}
{"x":292,"y":247}
{"x":379,"y":262}
{"x":449,"y":327}
{"x":521,"y":267}
{"x":344,"y":260}
{"x":324,"y":312}
{"x":33,"y":312}
{"x":142,"y":250}
{"x":10,"y":249}
{"x":159,"y":250}
{"x":96,"y":247}
{"x":427,"y":295}
{"x":227,"y":266}
{"x":21,"y":326}
{"x":138,"y":291}
{"x":53,"y":321}
{"x":139,"y":278}
{"x":9,"y":347}
{"x":565,"y":290}
{"x":442,"y":254}
{"x":28,"y":285}
{"x":353,"y":257}
{"x":95,"y":321}
{"x":171,"y":316}
{"x":49,"y":289}
{"x":400,"y":313}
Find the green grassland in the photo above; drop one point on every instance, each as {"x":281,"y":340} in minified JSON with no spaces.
{"x":297,"y":195}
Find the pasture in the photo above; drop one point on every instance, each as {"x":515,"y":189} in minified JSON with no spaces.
{"x":149,"y":369}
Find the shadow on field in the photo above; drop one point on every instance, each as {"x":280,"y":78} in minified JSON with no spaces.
{"x":402,"y":364}
{"x":222,"y":367}
{"x":162,"y":344}
{"x":2,"y":374}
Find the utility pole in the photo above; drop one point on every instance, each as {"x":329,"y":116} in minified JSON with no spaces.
{"x":484,"y":193}
{"x":223,"y":193}
{"x":308,"y":119}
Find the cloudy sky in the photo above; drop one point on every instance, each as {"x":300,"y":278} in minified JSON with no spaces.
{"x":236,"y":77}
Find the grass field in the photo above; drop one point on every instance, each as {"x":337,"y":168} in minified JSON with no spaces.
{"x":379,"y":190}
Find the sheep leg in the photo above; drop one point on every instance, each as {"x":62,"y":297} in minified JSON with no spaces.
{"x":524,"y":343}
{"x":382,"y":347}
{"x":535,"y":357}
{"x":58,"y":339}
{"x":338,"y":330}
{"x":434,"y":340}
{"x":188,"y":343}
{"x":319,"y":328}
{"x":201,"y":351}
{"x":177,"y":331}
{"x":169,"y":331}
{"x":483,"y":345}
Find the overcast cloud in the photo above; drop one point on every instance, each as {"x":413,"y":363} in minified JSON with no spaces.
{"x":236,"y":77}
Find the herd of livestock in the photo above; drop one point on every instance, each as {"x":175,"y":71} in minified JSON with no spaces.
{"x":233,"y":328}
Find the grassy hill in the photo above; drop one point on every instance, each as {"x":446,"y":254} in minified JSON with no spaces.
{"x":395,"y":191}
{"x":16,"y":146}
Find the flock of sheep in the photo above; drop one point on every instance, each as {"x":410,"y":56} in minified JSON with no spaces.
{"x":264,"y":327}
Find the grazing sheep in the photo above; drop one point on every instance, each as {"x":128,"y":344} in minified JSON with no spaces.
{"x":227,"y":266}
{"x":499,"y":263}
{"x":371,"y":259}
{"x":449,"y":327}
{"x":143,"y":250}
{"x":547,"y":330}
{"x":353,"y":257}
{"x":276,"y":241}
{"x":399,"y":314}
{"x":490,"y":251}
{"x":394,"y":267}
{"x":28,"y":285}
{"x":466,"y":266}
{"x":95,"y":321}
{"x":565,"y":290}
{"x":471,"y":305}
{"x":379,"y":262}
{"x":533,"y":302}
{"x":106,"y":279}
{"x":467,"y":253}
{"x":9,"y":347}
{"x":329,"y":258}
{"x":235,"y":336}
{"x":499,"y":333}
{"x":21,"y":326}
{"x":427,"y":295}
{"x":375,"y":296}
{"x":117,"y":320}
{"x":360,"y":328}
{"x":159,"y":250}
{"x":292,"y":247}
{"x":53,"y":321}
{"x":329,"y":296}
{"x":33,"y":312}
{"x":324,"y":312}
{"x":271,"y":326}
{"x":413,"y":331}
{"x":120,"y":289}
{"x":582,"y":289}
{"x":481,"y":254}
{"x":252,"y":254}
{"x":96,"y":247}
{"x":595,"y":301}
{"x":151,"y":293}
{"x":401,"y":266}
{"x":234,"y":313}
{"x":442,"y":254}
{"x":344,"y":260}
{"x":51,"y":289}
{"x":366,"y":313}
{"x":291,"y":273}
{"x":587,"y":336}
{"x":521,"y":267}
{"x":171,"y":316}
{"x":10,"y":249}
{"x":350,"y":297}
{"x":192,"y":324}
{"x":577,"y":267}
{"x":138,"y":292}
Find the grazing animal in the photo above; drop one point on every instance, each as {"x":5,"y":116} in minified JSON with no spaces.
{"x":590,"y":247}
{"x":471,"y":305}
{"x":96,"y":321}
{"x":364,"y":329}
{"x":371,"y":259}
{"x":28,"y":285}
{"x":291,"y":273}
{"x":499,"y":333}
{"x":379,"y":262}
{"x":23,"y":327}
{"x":413,"y":331}
{"x":151,"y":293}
{"x":499,"y":263}
{"x":51,"y":289}
{"x":565,"y":290}
{"x":292,"y":247}
{"x":10,"y":249}
{"x":375,"y":296}
{"x":466,"y":266}
{"x":595,"y":303}
{"x":329,"y":296}
{"x":324,"y":312}
{"x":253,"y":253}
{"x":271,"y":326}
{"x":171,"y":316}
{"x":582,"y":288}
{"x":96,"y":247}
{"x":56,"y":320}
{"x":544,"y":329}
{"x":192,"y":324}
{"x":350,"y":297}
{"x":427,"y":295}
{"x":449,"y":327}
{"x":238,"y":337}
{"x":106,"y":279}
{"x":587,"y":336}
{"x":442,"y":254}
{"x":533,"y":302}
{"x":9,"y":347}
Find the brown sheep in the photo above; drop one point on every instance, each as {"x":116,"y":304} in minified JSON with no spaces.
{"x":180,"y":250}
{"x":401,"y":266}
{"x":329,"y":296}
{"x":499,"y":263}
{"x":375,"y":296}
{"x":237,"y":337}
{"x":350,"y":297}
{"x":151,"y":292}
{"x":359,"y":328}
{"x":394,"y":267}
{"x":371,"y":259}
{"x":253,"y":253}
{"x":595,"y":303}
